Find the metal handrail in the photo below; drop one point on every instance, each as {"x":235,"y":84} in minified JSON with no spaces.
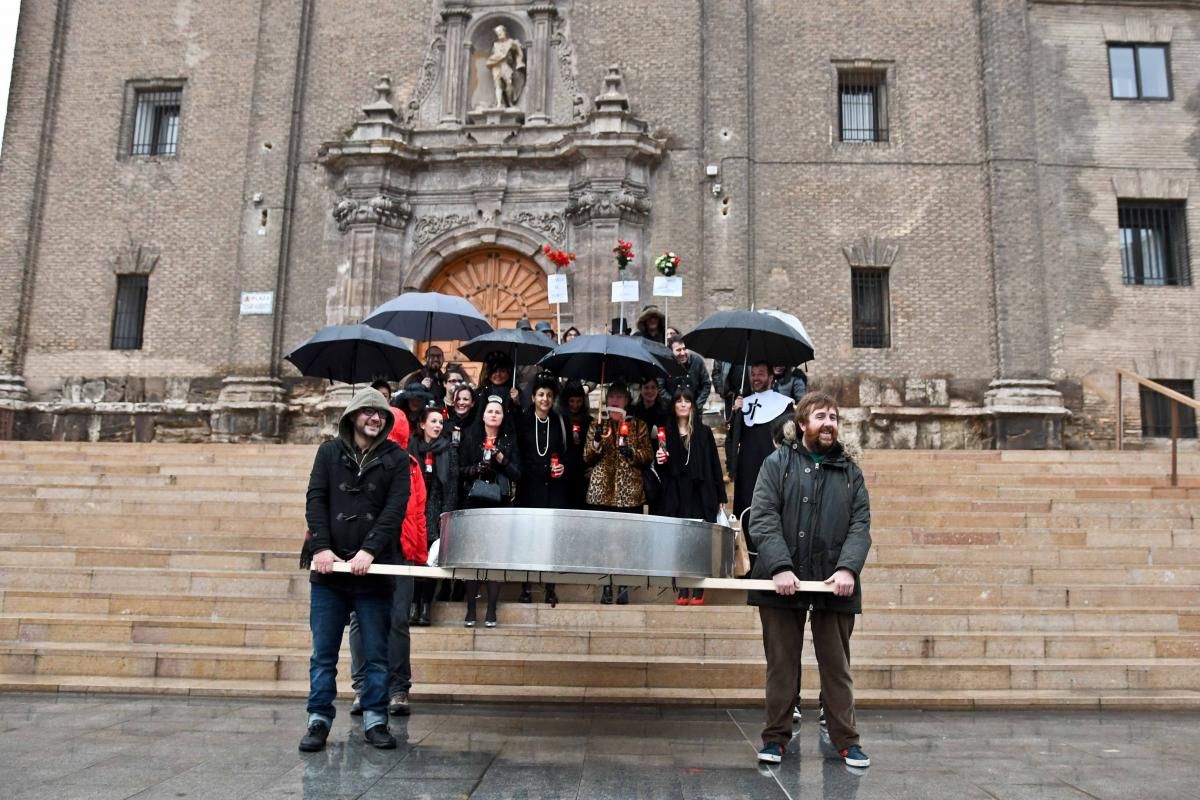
{"x":1172,"y":395}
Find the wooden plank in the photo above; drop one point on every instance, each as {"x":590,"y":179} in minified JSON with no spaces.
{"x":522,"y":576}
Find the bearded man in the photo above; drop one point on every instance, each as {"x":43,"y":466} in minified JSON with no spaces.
{"x":811,"y":521}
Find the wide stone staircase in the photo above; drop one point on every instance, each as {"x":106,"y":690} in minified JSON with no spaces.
{"x":996,"y":579}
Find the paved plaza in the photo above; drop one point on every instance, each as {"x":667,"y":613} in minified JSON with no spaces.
{"x":100,"y":747}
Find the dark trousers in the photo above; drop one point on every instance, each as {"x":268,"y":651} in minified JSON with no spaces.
{"x":399,"y":644}
{"x":783,"y":639}
{"x":328,"y":611}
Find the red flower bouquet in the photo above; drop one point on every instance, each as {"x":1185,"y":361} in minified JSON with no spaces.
{"x":624,"y":253}
{"x":560,"y":259}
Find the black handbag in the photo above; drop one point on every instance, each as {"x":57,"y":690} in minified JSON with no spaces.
{"x":651,"y":485}
{"x":486,"y":492}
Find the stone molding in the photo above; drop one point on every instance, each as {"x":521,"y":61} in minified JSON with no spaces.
{"x":428,"y":77}
{"x":872,"y":251}
{"x":136,"y":259}
{"x":618,"y":204}
{"x":549,"y":223}
{"x":1138,"y":29}
{"x":377,"y":210}
{"x":431,"y":226}
{"x":1148,"y":184}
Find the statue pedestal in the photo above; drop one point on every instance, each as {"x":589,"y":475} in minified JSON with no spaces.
{"x":1028,"y":414}
{"x":513,"y":117}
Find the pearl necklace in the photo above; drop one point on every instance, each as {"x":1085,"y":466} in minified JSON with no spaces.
{"x":541,"y":451}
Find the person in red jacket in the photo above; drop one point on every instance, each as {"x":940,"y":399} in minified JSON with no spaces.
{"x":414,"y":549}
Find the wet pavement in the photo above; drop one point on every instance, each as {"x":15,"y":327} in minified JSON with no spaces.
{"x":100,"y":747}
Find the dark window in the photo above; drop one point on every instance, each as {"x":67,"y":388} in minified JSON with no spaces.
{"x":870,"y":317}
{"x":1154,"y":247}
{"x":862,"y":105}
{"x":1139,"y":71}
{"x":1156,"y":410}
{"x":156,"y":123}
{"x":129,"y":317}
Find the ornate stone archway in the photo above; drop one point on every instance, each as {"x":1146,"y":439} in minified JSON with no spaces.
{"x":504,"y":285}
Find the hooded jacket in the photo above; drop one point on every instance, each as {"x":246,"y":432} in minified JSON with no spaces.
{"x":414,"y":546}
{"x":811,"y":518}
{"x":356,"y":499}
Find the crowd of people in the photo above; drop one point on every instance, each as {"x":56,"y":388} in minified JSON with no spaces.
{"x":524,"y":438}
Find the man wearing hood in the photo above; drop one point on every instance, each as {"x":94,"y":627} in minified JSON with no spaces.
{"x":357,"y":494}
{"x":811,"y":521}
{"x":651,"y":324}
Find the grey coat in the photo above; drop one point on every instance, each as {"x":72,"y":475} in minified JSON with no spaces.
{"x":812,"y":519}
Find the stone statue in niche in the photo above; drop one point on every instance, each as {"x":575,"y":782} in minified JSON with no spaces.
{"x":507,"y":63}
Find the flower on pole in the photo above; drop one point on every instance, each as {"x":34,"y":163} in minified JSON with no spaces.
{"x":667,"y":264}
{"x":561,"y":259}
{"x":624,"y":253}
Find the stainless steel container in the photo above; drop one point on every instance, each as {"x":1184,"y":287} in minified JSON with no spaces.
{"x":595,"y":542}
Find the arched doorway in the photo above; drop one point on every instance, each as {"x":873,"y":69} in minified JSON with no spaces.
{"x":504,"y":285}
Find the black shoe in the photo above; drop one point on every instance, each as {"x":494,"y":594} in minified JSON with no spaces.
{"x":356,"y":706}
{"x":423,"y":614}
{"x":526,"y":595}
{"x":314,"y":740}
{"x":606,"y":595}
{"x":412,"y":614}
{"x":398,"y":705}
{"x":622,"y":595}
{"x":380,"y":737}
{"x":551,"y":597}
{"x":443,"y":592}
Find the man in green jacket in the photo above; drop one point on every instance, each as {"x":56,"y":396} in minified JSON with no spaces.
{"x":811,"y":521}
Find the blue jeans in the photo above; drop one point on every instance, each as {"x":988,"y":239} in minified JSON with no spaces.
{"x":328,"y":611}
{"x":399,"y":643}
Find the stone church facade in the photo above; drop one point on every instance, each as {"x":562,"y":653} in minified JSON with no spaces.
{"x":979,"y":208}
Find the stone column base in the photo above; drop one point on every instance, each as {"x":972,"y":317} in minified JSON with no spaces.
{"x":249,"y":409}
{"x":1028,"y":414}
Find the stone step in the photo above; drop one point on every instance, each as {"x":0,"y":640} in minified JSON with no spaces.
{"x":482,"y":667}
{"x":447,"y":634}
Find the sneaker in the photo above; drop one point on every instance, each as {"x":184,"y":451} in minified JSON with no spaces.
{"x":771,"y":753}
{"x":380,"y":737}
{"x":821,"y":717}
{"x":796,"y":714}
{"x":356,"y":706}
{"x":855,"y":757}
{"x":314,"y":740}
{"x":398,"y":705}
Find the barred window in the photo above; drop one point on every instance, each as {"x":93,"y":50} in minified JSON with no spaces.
{"x":862,"y":105}
{"x":870,"y":312}
{"x":1154,"y":247}
{"x":1139,"y":72}
{"x":1156,"y":410}
{"x":156,"y":122}
{"x":129,"y":316}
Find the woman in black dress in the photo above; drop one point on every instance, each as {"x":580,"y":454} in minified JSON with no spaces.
{"x":573,"y":408}
{"x":542,"y":440}
{"x":439,"y":467}
{"x":687,"y":462}
{"x":488,"y":455}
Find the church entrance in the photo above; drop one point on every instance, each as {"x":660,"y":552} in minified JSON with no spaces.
{"x":504,"y":285}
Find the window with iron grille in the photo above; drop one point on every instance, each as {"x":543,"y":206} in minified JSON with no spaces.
{"x":870,"y":314}
{"x":1156,"y":410}
{"x":862,"y":105}
{"x":1139,"y":71}
{"x":1154,"y":247}
{"x":155,"y":122}
{"x":129,"y":316}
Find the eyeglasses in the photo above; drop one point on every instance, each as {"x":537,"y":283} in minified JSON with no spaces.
{"x":369,"y":413}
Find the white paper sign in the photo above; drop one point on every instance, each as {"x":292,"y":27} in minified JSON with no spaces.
{"x":625,"y":291}
{"x":556,"y":288}
{"x":668,"y":287}
{"x":257,"y":303}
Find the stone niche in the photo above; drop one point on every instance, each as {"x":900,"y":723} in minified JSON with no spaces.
{"x":419,"y":182}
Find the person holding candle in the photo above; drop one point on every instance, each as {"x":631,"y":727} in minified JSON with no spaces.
{"x":690,"y":470}
{"x":490,"y":459}
{"x":573,"y":408}
{"x":542,"y":440}
{"x":617,"y":450}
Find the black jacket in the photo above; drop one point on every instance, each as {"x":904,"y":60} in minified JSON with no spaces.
{"x":441,"y":485}
{"x":537,"y":442}
{"x":692,"y":484}
{"x":812,"y":519}
{"x":357,"y":500}
{"x":792,"y":383}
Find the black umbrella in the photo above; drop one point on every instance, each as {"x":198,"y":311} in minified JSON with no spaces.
{"x":594,"y":356}
{"x":744,"y":337}
{"x":425,"y":316}
{"x":663,"y":355}
{"x":518,"y":344}
{"x":353,"y":354}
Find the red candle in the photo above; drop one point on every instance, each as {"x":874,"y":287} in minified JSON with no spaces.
{"x":429,"y":462}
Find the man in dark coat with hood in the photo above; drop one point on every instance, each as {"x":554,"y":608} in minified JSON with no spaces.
{"x":357,"y":495}
{"x":810,"y":521}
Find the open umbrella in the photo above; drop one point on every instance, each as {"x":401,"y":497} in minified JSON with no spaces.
{"x":425,"y":316}
{"x":353,"y":354}
{"x":518,"y":344}
{"x":663,"y":355}
{"x":743,"y":337}
{"x":594,"y":356}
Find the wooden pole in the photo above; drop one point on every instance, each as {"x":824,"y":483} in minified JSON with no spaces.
{"x":1120,"y":415}
{"x":580,"y":578}
{"x":1174,"y":443}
